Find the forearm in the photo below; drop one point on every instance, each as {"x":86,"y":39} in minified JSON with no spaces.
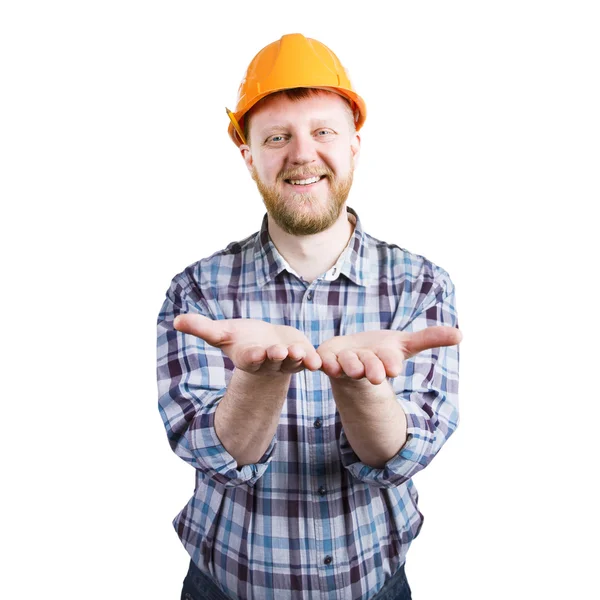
{"x":247,"y":416}
{"x":373,"y":420}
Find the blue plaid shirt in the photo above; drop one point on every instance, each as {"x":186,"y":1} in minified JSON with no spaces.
{"x":309,"y":520}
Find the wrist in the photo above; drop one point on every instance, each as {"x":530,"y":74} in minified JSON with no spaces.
{"x":261,"y":376}
{"x":361,"y":394}
{"x":347,"y":383}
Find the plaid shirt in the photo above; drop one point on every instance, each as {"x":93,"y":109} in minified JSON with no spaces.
{"x":309,"y":520}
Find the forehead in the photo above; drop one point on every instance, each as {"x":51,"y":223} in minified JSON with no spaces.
{"x":282,"y":111}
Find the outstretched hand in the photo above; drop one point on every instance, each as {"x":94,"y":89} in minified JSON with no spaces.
{"x":375,"y":355}
{"x":262,"y":348}
{"x":253,"y":345}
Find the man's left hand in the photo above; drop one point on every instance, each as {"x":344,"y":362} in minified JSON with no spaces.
{"x":375,"y":355}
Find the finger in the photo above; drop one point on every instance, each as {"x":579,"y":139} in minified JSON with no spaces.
{"x":294,"y":363}
{"x":312,"y":361}
{"x":250,"y":358}
{"x":351,"y":364}
{"x":296,"y":352}
{"x":374,"y":369}
{"x":210,"y":331}
{"x":276,"y":354}
{"x":329,"y":364}
{"x":431,"y":337}
{"x":292,"y":366}
{"x":391,"y":359}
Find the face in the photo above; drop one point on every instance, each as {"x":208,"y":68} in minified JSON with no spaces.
{"x":302,"y":155}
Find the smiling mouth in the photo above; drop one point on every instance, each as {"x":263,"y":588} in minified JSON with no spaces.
{"x":308,"y":181}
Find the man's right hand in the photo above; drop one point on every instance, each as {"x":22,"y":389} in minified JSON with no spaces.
{"x":254,"y":346}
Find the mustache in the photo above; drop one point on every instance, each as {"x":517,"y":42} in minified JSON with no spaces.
{"x":305,"y":172}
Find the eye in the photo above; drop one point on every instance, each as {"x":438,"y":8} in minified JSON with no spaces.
{"x":275,"y":139}
{"x":325,"y":135}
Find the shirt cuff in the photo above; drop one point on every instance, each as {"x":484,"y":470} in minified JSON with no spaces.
{"x":213,"y":457}
{"x":414,"y":455}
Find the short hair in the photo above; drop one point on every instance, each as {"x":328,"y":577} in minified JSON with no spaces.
{"x":296,"y":94}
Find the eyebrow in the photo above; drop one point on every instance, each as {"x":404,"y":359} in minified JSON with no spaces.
{"x":314,"y":123}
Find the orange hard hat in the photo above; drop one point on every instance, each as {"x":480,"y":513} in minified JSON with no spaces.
{"x":294,"y":61}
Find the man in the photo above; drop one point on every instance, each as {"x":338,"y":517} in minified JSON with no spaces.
{"x":308,"y":371}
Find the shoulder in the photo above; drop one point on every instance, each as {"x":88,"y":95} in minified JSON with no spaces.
{"x":407,"y":269}
{"x":217,"y":269}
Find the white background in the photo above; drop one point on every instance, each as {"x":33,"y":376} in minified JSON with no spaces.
{"x":481,"y":151}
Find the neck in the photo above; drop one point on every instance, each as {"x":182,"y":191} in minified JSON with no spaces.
{"x":312,"y":255}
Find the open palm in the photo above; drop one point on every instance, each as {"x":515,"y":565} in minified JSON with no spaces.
{"x":253,"y":345}
{"x":375,"y":355}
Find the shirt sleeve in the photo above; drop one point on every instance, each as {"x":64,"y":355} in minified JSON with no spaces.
{"x":192,"y":380}
{"x":427,"y":391}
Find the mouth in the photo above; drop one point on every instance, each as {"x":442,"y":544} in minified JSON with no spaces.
{"x":304,"y":183}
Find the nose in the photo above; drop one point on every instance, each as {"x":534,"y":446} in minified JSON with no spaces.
{"x":302,"y":149}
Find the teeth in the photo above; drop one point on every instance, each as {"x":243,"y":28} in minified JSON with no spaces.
{"x":304,"y":181}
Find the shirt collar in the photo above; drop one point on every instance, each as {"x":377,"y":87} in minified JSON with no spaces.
{"x":353,"y":261}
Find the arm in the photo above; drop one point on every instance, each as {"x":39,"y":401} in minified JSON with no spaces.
{"x":373,"y":420}
{"x":425,"y":388}
{"x":222,"y":384}
{"x":247,"y":417}
{"x":192,"y":381}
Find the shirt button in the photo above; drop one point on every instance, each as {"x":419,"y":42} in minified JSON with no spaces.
{"x":309,"y":296}
{"x":322,"y":491}
{"x":328,"y":560}
{"x":318,"y":423}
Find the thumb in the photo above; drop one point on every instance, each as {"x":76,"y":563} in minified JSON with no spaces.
{"x":432,"y":337}
{"x":210,"y":331}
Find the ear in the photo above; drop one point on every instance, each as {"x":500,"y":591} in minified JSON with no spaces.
{"x":246,"y":153}
{"x":355,"y":148}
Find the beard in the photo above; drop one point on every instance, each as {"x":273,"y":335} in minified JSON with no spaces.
{"x":302,"y":213}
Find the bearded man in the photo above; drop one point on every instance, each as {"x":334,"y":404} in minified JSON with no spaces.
{"x":308,"y":371}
